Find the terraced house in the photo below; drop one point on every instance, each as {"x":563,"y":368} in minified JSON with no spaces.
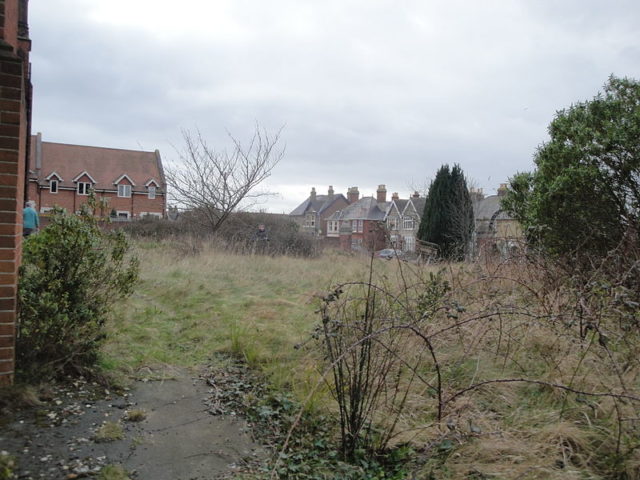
{"x":361,"y":225}
{"x":312,"y":214}
{"x":130,"y":182}
{"x":403,"y":221}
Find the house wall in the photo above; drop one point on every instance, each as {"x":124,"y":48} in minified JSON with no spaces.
{"x":71,"y":201}
{"x":374,"y":235}
{"x":339,"y":204}
{"x":15,"y":100}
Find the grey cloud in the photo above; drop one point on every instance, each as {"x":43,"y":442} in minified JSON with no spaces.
{"x":370,"y":92}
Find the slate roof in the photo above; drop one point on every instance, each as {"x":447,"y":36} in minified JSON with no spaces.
{"x":367,"y":208}
{"x":487,"y":207}
{"x":104,"y":165}
{"x":321,"y":203}
{"x":418,"y":204}
{"x":401,"y":205}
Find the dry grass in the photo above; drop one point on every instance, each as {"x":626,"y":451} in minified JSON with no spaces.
{"x":513,"y":325}
{"x":135,"y":415}
{"x":109,"y":432}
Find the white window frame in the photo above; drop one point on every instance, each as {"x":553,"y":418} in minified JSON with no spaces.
{"x":150,"y":214}
{"x":409,"y":243}
{"x":392,"y":223}
{"x":333,"y":226}
{"x":408,"y":223}
{"x":125,"y":191}
{"x":152,"y":192}
{"x":123,"y":214}
{"x":83,"y":188}
{"x":45,"y":209}
{"x":310,"y":220}
{"x":53,"y":186}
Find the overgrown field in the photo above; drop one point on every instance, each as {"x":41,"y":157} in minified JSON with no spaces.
{"x":188,"y":306}
{"x":483,"y":371}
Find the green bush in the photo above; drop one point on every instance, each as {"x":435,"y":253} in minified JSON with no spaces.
{"x":72,"y":273}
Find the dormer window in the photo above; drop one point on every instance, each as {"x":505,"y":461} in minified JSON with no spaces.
{"x":152,"y":192}
{"x":84,"y":188}
{"x":124,"y":191}
{"x":54,"y":181}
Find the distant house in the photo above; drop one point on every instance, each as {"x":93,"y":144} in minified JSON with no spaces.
{"x":361,"y":225}
{"x":312,"y":214}
{"x":131,"y":182}
{"x":403,"y":220}
{"x":497,"y":233}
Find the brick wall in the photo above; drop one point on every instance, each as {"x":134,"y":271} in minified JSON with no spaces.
{"x":71,"y":201}
{"x":15,"y":100}
{"x":12,"y":162}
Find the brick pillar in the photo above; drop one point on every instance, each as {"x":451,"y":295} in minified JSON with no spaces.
{"x":13,"y":135}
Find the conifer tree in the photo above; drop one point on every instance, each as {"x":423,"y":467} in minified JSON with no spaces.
{"x":447,"y":220}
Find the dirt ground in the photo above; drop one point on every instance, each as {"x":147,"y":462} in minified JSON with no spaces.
{"x":183,"y":435}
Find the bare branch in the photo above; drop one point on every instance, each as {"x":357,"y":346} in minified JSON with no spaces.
{"x":212,"y":184}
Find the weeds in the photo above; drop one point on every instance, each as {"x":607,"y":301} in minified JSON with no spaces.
{"x":8,"y":465}
{"x":113,"y":472}
{"x":472,"y":336}
{"x":135,"y":415}
{"x":109,"y":432}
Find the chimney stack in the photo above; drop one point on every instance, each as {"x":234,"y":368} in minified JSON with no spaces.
{"x":331,"y":192}
{"x":476,"y":194}
{"x":381,"y":193}
{"x":38,"y":165}
{"x":395,"y":196}
{"x":353,"y":194}
{"x":313,"y":194}
{"x":502,"y":190}
{"x":415,"y":195}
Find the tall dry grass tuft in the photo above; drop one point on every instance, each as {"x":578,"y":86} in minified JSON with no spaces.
{"x":509,"y":348}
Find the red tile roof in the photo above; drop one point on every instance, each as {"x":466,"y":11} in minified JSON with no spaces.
{"x":104,"y":165}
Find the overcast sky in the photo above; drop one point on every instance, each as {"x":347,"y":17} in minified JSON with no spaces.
{"x":369,"y":92}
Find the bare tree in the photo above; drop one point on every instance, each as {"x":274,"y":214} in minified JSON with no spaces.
{"x":213,"y":184}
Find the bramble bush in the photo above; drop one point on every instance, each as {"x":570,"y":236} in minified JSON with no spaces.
{"x":72,"y":273}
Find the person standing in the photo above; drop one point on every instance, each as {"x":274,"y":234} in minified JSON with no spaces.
{"x":30,"y":219}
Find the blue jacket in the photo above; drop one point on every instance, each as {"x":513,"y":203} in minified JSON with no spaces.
{"x":30,"y":218}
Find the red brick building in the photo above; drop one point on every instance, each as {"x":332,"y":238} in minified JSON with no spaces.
{"x":130,"y":181}
{"x":15,"y":115}
{"x":360,"y":225}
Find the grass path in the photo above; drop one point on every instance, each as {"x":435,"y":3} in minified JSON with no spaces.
{"x":256,"y":306}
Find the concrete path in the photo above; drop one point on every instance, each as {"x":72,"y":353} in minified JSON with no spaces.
{"x":178,"y":440}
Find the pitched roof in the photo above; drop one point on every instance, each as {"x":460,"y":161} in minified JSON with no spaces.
{"x":486,"y":208}
{"x":367,"y":208}
{"x":321,"y":203}
{"x":105,"y":166}
{"x":418,"y":204}
{"x":400,"y":204}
